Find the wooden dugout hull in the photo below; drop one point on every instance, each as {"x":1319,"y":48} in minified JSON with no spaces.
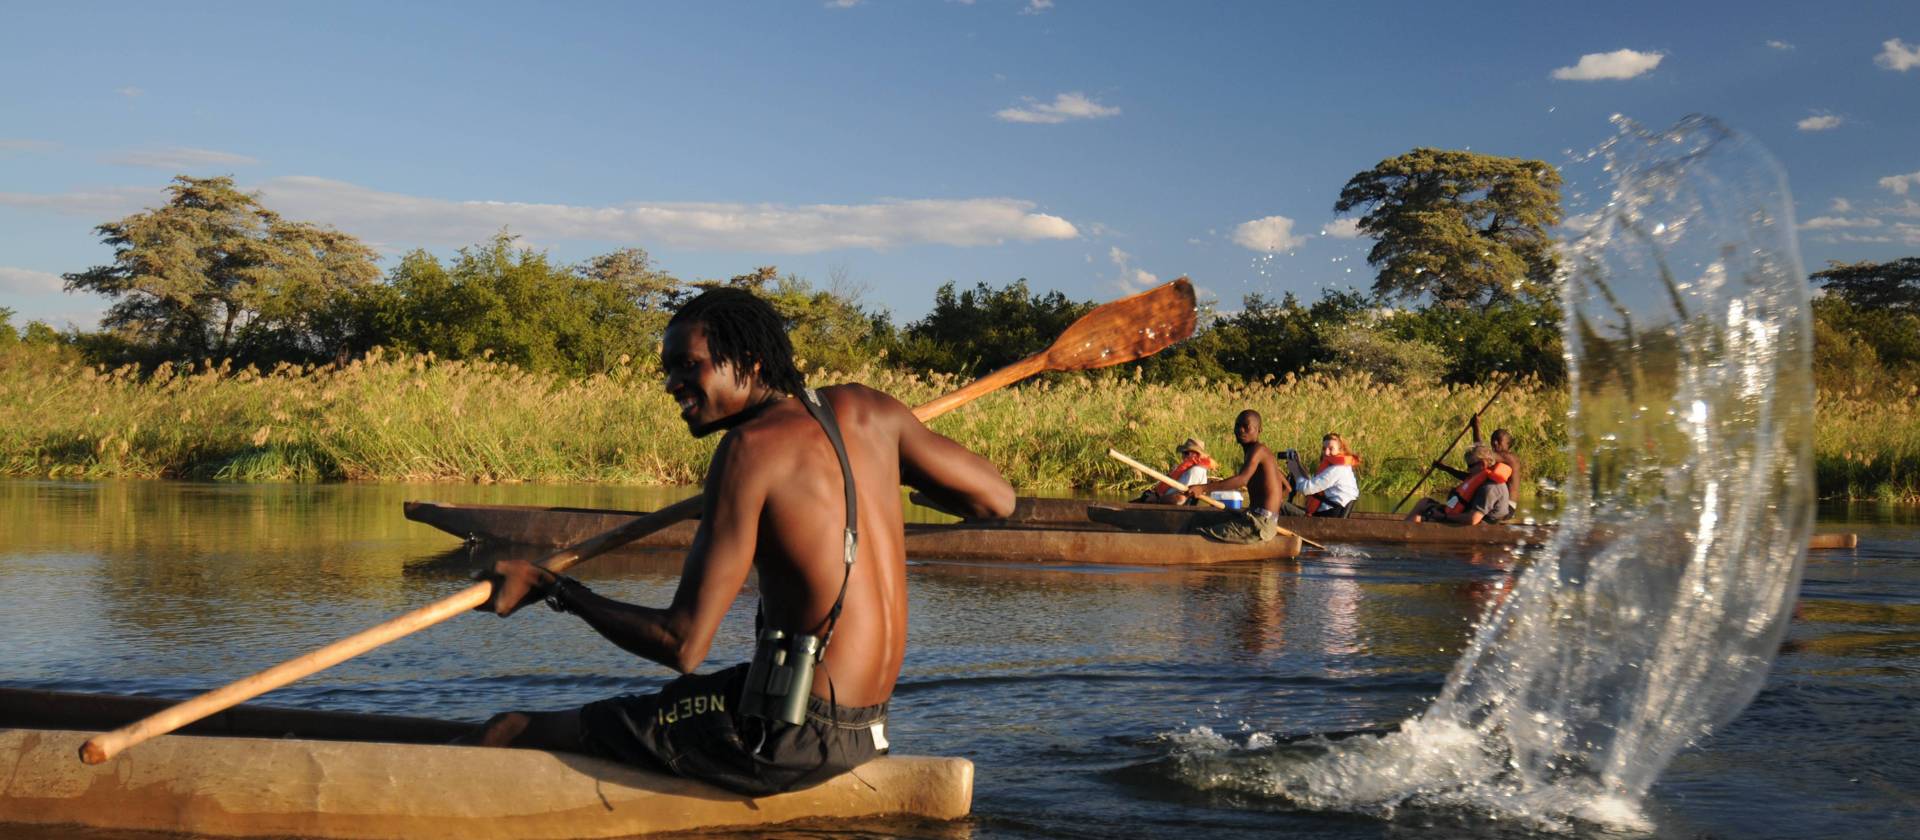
{"x":277,"y":786}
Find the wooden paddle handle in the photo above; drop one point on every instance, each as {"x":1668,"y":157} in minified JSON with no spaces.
{"x":980,"y":387}
{"x":1159,"y":476}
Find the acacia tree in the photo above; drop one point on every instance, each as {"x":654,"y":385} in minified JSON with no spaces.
{"x":1869,"y":285}
{"x":1462,"y":227}
{"x":214,"y":274}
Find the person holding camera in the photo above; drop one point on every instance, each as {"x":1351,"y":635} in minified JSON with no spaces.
{"x":1332,"y":487}
{"x":803,"y":489}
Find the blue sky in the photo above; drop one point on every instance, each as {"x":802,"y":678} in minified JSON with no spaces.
{"x":1091,"y":147}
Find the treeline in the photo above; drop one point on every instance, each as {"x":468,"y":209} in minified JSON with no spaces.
{"x":1464,"y":293}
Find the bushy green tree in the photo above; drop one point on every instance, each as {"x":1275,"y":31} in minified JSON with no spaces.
{"x":983,"y":328}
{"x":1515,"y":338}
{"x":1362,"y":349}
{"x":511,"y":301}
{"x":1462,"y":227}
{"x":7,"y":336}
{"x":214,"y":274}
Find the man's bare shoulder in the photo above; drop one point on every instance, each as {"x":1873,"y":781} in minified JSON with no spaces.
{"x":865,"y":405}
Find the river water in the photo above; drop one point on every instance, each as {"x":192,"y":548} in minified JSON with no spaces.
{"x":1084,"y":695}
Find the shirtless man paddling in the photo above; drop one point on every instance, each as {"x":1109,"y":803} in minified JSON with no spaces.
{"x":775,"y":502}
{"x":1264,"y":481}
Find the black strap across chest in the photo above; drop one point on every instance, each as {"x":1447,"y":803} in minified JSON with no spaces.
{"x":823,"y":413}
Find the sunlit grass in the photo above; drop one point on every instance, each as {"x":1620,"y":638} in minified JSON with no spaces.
{"x":394,"y":418}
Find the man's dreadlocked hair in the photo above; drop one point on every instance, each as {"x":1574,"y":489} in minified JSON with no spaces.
{"x":743,"y":330}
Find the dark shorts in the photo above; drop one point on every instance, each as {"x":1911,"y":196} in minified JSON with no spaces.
{"x":690,"y":728}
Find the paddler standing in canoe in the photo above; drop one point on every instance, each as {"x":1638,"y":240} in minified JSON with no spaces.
{"x":779,"y":498}
{"x":1266,"y":487}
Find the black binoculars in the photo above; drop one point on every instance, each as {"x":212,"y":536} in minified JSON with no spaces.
{"x":781,"y":677}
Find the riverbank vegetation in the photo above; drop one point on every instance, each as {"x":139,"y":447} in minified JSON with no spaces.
{"x":392,"y":417}
{"x":244,"y":346}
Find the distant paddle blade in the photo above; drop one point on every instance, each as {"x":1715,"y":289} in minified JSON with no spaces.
{"x":1127,"y":329}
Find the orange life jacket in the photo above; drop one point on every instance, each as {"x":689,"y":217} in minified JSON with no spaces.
{"x":1498,"y":473}
{"x":1316,"y":500}
{"x":1193,"y":459}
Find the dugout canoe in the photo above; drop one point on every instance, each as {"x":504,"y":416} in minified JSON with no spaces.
{"x":245,"y":777}
{"x":559,"y":526}
{"x":1372,"y":528}
{"x":1360,"y":527}
{"x":1010,"y":540}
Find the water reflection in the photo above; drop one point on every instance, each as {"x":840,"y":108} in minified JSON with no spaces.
{"x":1050,"y":679}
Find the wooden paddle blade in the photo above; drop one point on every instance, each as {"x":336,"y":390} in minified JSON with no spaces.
{"x":1127,"y":329}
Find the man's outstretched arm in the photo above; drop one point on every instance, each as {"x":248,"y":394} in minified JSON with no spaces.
{"x":680,"y":635}
{"x":951,"y":475}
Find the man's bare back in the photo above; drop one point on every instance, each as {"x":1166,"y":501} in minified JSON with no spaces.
{"x":790,"y":464}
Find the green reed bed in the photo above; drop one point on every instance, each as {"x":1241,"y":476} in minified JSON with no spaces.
{"x":392,"y":418}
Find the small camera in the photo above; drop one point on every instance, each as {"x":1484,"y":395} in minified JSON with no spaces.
{"x":1291,"y":454}
{"x":780,"y":679}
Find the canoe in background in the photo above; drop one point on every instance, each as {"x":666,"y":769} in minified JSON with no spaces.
{"x":262,"y":786}
{"x":1360,"y":527}
{"x":991,"y":541}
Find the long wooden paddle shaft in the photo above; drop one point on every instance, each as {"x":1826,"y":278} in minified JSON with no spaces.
{"x":1454,"y":443}
{"x":1121,"y":331}
{"x":1152,"y":473}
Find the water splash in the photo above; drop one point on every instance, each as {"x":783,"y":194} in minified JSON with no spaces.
{"x":1653,"y":617}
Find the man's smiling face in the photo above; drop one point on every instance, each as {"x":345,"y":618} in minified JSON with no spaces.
{"x":707,"y":392}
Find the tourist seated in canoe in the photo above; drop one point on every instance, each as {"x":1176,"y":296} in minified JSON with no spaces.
{"x":1267,"y":489}
{"x":1481,"y":497}
{"x":780,"y":499}
{"x":1502,"y":442}
{"x":1193,"y":467}
{"x":1332,"y":486}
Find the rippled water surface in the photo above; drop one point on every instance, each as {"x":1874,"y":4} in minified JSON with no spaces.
{"x":1086,"y":696}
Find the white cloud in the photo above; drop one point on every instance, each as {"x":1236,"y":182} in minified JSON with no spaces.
{"x":1131,"y":279}
{"x":842,"y":4}
{"x":23,"y":145}
{"x":1619,"y":64}
{"x":1779,"y":45}
{"x":112,"y":202}
{"x":1897,"y":55}
{"x":1270,"y":235}
{"x":1066,"y":106}
{"x":1035,"y":7}
{"x":408,"y":220}
{"x":1909,"y":234}
{"x":131,"y":92}
{"x":1819,"y":122}
{"x":1342,"y":229}
{"x":799,"y":229}
{"x":1841,"y":205}
{"x":181,"y":157}
{"x":1831,"y":222}
{"x":24,"y":281}
{"x":1898,"y":184}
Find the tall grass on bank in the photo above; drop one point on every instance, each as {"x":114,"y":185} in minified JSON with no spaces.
{"x":411,"y":418}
